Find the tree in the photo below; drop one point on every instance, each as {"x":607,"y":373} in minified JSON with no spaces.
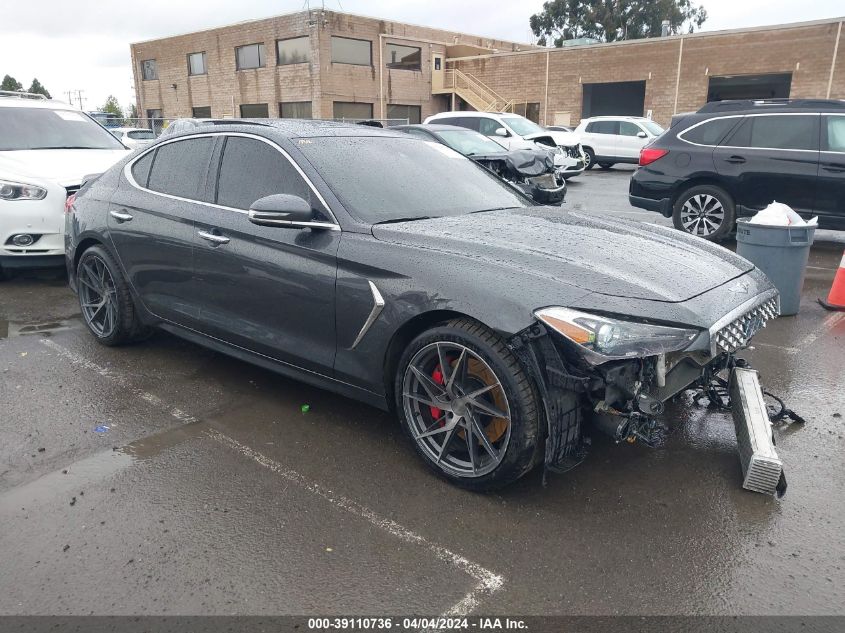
{"x":611,"y":20}
{"x":112,"y":106}
{"x":38,"y":89}
{"x":10,"y":83}
{"x":133,"y":111}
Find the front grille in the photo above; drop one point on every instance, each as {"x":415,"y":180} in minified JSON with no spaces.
{"x":735,"y":335}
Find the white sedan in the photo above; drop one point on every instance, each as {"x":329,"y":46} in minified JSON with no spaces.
{"x":133,"y":137}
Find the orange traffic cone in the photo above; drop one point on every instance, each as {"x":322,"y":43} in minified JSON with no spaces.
{"x":836,"y":298}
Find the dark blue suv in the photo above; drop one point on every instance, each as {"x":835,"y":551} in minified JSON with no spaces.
{"x":732,"y":158}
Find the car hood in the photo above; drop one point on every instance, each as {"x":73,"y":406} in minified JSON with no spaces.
{"x":567,"y":139}
{"x":64,"y":166}
{"x":616,"y":258}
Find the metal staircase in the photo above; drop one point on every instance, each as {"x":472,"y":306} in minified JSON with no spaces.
{"x":474,"y":92}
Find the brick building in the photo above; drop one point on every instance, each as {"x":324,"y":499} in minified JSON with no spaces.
{"x":325,"y":64}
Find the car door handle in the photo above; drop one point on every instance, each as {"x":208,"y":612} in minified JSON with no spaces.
{"x":214,"y":239}
{"x":836,"y":168}
{"x":120,"y":216}
{"x":736,"y":160}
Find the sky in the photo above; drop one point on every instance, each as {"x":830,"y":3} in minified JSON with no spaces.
{"x":84,"y":44}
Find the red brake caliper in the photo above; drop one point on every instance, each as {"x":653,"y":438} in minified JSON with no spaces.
{"x":437,"y":377}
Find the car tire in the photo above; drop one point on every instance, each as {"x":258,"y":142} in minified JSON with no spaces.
{"x":589,"y":158}
{"x":507,"y":414}
{"x":100,"y":282}
{"x":606,"y":166}
{"x":3,"y":276}
{"x":705,"y":211}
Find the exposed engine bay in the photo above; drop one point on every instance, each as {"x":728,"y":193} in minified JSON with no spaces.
{"x":532,"y":171}
{"x":624,"y":399}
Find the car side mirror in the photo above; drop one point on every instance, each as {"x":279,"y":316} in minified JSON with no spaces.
{"x":281,"y":210}
{"x":642,"y":134}
{"x":500,"y":131}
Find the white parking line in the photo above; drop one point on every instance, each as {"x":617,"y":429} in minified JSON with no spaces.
{"x":488,"y":581}
{"x":827,"y":325}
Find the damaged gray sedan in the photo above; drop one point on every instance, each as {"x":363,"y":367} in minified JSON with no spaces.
{"x":398,"y":272}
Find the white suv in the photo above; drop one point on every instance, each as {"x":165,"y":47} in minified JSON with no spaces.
{"x":513,"y":131}
{"x":615,"y":139}
{"x":46,"y":147}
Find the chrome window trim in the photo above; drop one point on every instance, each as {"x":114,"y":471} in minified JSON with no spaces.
{"x":738,"y":311}
{"x":744,"y":116}
{"x":127,"y":173}
{"x":378,"y":306}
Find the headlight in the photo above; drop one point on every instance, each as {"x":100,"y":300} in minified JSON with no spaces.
{"x":20,"y":191}
{"x":610,"y":339}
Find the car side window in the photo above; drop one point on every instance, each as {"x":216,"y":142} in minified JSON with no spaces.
{"x":626,"y":128}
{"x":835,"y":134}
{"x":251,"y":169}
{"x":141,"y":169}
{"x":419,"y":134}
{"x":488,"y":126}
{"x":711,"y":132}
{"x":180,"y":167}
{"x":604,"y":127}
{"x":799,"y":132}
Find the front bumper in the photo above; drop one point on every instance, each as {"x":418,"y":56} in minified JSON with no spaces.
{"x":42,"y":219}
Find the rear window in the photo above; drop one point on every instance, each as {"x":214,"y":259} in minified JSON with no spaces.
{"x":41,"y":128}
{"x":141,"y":135}
{"x":710,"y":132}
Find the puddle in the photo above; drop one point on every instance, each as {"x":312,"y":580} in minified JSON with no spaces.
{"x":96,"y":468}
{"x":11,"y":329}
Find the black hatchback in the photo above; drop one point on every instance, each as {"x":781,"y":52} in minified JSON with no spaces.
{"x":732,"y":158}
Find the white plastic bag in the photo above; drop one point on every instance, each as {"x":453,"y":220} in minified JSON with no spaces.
{"x":779,"y":214}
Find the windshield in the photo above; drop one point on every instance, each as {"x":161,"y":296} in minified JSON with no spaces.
{"x":521,"y":125}
{"x":382,"y":179}
{"x":652,"y":127}
{"x":468,"y":142}
{"x":40,"y":128}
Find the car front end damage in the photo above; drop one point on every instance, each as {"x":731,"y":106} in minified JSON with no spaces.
{"x":531,"y":171}
{"x":616,"y":374}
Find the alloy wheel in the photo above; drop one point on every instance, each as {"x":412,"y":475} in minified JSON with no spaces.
{"x":457,"y":409}
{"x":702,"y":215}
{"x":97,"y":296}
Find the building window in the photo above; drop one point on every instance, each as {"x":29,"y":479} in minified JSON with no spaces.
{"x":296,"y":50}
{"x":148,"y":69}
{"x":410,"y":112}
{"x":295,"y":110}
{"x":201,"y":112}
{"x":346,"y":110}
{"x":154,"y":114}
{"x":403,"y":57}
{"x":528,"y":110}
{"x":249,"y":56}
{"x":346,"y":50}
{"x":196,"y":64}
{"x":254,"y":111}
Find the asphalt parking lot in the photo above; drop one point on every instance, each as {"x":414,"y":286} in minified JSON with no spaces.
{"x":164,"y":478}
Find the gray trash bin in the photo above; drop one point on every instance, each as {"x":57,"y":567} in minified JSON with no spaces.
{"x":781,"y":252}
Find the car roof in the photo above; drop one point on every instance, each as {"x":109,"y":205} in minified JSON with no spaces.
{"x":467,"y":113}
{"x":7,"y":101}
{"x":289,"y":128}
{"x":621,"y":117}
{"x":749,"y":106}
{"x":434,"y":127}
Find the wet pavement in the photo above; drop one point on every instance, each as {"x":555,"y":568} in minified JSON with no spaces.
{"x":163,"y":478}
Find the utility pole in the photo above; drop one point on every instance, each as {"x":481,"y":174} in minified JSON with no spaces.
{"x":80,"y":98}
{"x":69,"y":94}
